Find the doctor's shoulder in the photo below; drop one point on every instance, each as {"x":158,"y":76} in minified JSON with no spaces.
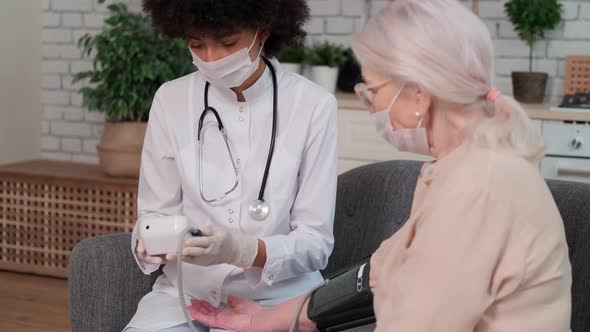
{"x":315,"y":96}
{"x":173,"y":95}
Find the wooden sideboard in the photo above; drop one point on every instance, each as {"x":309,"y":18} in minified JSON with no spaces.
{"x":47,"y":207}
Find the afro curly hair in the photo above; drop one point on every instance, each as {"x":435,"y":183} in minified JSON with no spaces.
{"x":284,"y":18}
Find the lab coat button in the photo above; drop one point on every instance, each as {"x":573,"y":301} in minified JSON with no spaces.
{"x":241,"y":118}
{"x":271,"y":277}
{"x":238,"y":161}
{"x":230,"y":211}
{"x":230,"y":220}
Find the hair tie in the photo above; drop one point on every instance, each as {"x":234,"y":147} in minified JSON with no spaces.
{"x":493,"y":94}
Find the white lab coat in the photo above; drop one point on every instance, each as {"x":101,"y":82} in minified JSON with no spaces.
{"x":301,"y":188}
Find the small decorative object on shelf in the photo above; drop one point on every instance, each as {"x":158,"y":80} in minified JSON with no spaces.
{"x":577,"y":74}
{"x":292,"y":59}
{"x":350,"y":73}
{"x":576,"y":85}
{"x":577,"y":102}
{"x":325,"y":59}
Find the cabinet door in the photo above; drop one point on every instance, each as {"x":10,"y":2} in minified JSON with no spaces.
{"x":568,"y":169}
{"x":567,"y":139}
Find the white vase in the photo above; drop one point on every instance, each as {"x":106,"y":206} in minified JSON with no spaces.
{"x":306,"y":71}
{"x":325,"y":77}
{"x":292,"y":67}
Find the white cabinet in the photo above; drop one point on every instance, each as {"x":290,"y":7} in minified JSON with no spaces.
{"x":567,"y":156}
{"x":567,"y":138}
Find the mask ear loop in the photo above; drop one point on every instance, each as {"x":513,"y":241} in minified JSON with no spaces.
{"x":254,"y":41}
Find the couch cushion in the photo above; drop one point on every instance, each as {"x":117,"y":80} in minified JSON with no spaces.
{"x":372,"y":203}
{"x":573,"y":201}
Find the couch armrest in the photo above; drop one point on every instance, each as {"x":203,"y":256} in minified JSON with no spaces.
{"x":105,"y":284}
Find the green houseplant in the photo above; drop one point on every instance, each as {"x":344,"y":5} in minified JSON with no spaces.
{"x":325,"y":59}
{"x":291,"y":58}
{"x":130,"y":61}
{"x":531,"y":19}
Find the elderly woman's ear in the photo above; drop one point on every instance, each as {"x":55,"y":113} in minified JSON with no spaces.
{"x":423,"y":102}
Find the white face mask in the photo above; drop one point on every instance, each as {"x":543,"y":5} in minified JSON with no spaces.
{"x":231,"y":71}
{"x":409,"y":140}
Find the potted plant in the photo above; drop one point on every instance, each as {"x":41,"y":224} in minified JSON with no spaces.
{"x":131,"y":61}
{"x":531,"y":18}
{"x":325,"y":58}
{"x":291,"y":59}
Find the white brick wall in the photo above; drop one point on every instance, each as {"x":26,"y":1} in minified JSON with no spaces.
{"x":71,"y":133}
{"x":352,"y":7}
{"x":572,"y":37}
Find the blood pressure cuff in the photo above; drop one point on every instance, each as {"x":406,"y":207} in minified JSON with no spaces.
{"x":346,"y":301}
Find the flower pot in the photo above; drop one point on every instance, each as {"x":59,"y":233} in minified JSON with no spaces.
{"x":119,"y":150}
{"x":529,"y":87}
{"x":306,"y":71}
{"x":325,"y":77}
{"x":292,"y":67}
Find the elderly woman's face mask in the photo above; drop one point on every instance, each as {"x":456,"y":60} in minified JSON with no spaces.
{"x":414,"y":140}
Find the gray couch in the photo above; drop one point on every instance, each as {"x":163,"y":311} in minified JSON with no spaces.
{"x":373,"y":201}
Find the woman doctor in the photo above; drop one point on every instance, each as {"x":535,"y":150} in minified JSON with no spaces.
{"x":263,"y":195}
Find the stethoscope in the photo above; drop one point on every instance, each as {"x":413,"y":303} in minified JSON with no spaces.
{"x":258,"y":209}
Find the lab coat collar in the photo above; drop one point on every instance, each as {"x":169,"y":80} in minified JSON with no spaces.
{"x":261,"y":88}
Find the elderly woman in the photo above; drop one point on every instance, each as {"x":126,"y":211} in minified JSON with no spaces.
{"x":484,"y":248}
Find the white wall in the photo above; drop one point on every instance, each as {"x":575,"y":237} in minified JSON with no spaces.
{"x":71,"y":133}
{"x":20,"y":62}
{"x":336,"y":20}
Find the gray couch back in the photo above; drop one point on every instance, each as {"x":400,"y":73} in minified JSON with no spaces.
{"x":374,"y":201}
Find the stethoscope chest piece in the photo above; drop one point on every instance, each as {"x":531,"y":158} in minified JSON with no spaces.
{"x":259,"y":210}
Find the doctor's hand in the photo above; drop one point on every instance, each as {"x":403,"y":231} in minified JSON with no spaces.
{"x":143,"y":256}
{"x":219,"y":246}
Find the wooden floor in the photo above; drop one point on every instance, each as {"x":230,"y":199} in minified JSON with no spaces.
{"x":33,"y":304}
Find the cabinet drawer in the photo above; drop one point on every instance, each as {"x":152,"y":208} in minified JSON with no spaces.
{"x":567,"y":139}
{"x":569,"y":169}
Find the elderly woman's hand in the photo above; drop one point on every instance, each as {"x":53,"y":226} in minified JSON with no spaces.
{"x":242,"y":315}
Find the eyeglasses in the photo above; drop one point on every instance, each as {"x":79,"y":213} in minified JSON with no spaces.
{"x":366,"y":93}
